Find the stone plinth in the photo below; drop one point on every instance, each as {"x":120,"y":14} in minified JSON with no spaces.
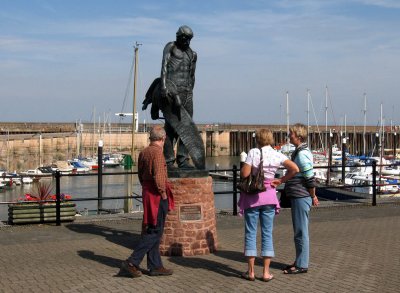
{"x":190,"y":229}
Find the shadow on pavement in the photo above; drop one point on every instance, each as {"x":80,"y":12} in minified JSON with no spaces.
{"x":119,"y":237}
{"x":239,"y":256}
{"x":201,"y":263}
{"x":220,"y":267}
{"x":105,"y":260}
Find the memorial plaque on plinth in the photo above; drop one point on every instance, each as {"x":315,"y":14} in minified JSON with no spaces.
{"x":190,"y":229}
{"x":190,"y":213}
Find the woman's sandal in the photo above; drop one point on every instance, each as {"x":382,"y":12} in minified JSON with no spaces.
{"x":267,"y":279}
{"x":246,"y":276}
{"x":288,"y":267}
{"x":296,"y":270}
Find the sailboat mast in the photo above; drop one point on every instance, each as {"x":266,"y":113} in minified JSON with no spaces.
{"x":8,"y":147}
{"x":40,"y":149}
{"x":326,"y":116}
{"x":94,"y":131}
{"x":136,"y":50}
{"x":287,"y":117}
{"x":100,"y":130}
{"x":381,"y":129}
{"x":382,"y":137}
{"x":77,"y":138}
{"x":365,"y":121}
{"x":109,"y":131}
{"x":381,"y":141}
{"x":308,"y":117}
{"x":128,"y":201}
{"x":354,"y":140}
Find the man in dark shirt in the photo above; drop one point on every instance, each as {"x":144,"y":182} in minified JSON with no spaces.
{"x":152,"y":172}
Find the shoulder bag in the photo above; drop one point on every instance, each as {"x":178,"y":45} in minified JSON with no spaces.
{"x":253,"y":183}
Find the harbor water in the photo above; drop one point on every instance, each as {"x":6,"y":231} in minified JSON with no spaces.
{"x":84,"y":187}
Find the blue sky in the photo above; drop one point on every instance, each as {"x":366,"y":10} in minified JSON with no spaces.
{"x":60,"y":60}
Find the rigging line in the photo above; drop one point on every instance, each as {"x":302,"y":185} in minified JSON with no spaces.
{"x":362,"y":111}
{"x":330,"y":103}
{"x":146,"y":116}
{"x":393,"y":121}
{"x":316,"y":122}
{"x":91,"y":116}
{"x":322,"y":106}
{"x":140,"y":88}
{"x":373,"y":139}
{"x":128,"y":86}
{"x":141,"y":93}
{"x":139,"y":77}
{"x":333,"y":115}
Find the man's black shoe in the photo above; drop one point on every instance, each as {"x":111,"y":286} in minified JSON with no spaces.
{"x":132,"y":270}
{"x":161,"y":272}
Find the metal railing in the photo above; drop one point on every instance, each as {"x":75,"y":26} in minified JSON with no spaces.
{"x":235,"y":175}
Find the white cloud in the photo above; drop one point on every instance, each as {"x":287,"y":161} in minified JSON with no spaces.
{"x":246,"y":56}
{"x":381,"y":3}
{"x":104,"y":28}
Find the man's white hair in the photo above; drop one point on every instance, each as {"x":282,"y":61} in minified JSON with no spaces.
{"x":157,"y":133}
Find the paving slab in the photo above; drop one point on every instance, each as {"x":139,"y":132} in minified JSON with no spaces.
{"x":353,"y":249}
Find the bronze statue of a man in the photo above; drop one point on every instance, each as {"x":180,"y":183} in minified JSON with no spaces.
{"x":178,"y":67}
{"x":172,"y":93}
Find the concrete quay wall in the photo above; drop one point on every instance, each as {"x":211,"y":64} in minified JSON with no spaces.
{"x":29,"y":145}
{"x":21,"y":152}
{"x":53,"y":127}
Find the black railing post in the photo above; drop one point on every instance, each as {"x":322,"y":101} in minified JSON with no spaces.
{"x":328,"y":171}
{"x":343,"y":160}
{"x":374,"y":183}
{"x":235,"y":173}
{"x":100,"y":177}
{"x":58,"y":199}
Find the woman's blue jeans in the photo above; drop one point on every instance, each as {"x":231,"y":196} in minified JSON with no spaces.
{"x":300,"y":211}
{"x":266,"y":215}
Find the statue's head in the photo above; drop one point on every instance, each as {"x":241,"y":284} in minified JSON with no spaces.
{"x":183,"y":37}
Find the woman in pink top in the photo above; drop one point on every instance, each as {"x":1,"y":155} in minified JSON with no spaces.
{"x":264,"y":205}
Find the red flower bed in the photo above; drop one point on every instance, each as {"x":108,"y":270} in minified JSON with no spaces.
{"x":53,"y":197}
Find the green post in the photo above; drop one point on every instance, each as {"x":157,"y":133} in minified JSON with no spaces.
{"x":128,"y":164}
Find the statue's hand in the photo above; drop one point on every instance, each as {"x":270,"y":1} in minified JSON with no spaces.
{"x":164,"y":93}
{"x":178,"y":102}
{"x":166,"y":96}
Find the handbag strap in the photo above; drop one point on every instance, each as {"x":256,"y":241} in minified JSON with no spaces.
{"x":260,"y":166}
